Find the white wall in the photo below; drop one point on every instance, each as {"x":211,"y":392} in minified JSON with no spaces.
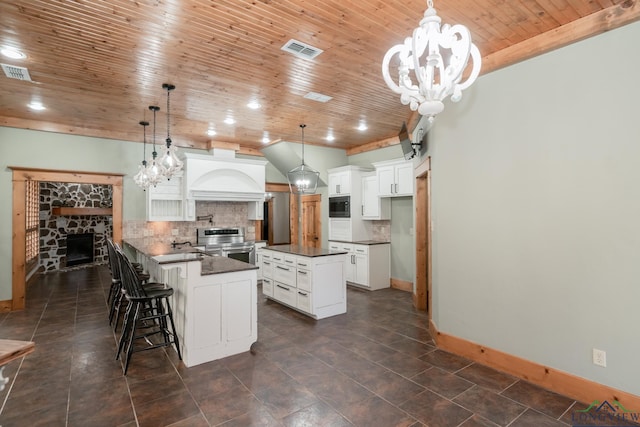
{"x":536,"y":208}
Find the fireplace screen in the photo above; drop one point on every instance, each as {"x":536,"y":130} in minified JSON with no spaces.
{"x":79,"y":249}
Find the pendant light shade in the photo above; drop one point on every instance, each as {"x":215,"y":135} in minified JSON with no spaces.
{"x":141,"y":178}
{"x":154,"y":172}
{"x":303,"y":179}
{"x":169,"y":163}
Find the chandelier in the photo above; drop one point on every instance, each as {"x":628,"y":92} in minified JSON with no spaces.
{"x":169,"y":163}
{"x":141,"y":178}
{"x":432,"y":63}
{"x":303,"y":179}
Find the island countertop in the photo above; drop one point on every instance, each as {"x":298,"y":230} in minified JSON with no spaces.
{"x":304,"y":251}
{"x":163,"y":253}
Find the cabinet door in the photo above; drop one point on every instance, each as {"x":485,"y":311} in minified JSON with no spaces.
{"x":370,"y":205}
{"x":404,"y":179}
{"x":339,"y":183}
{"x":361,"y":269}
{"x":255,"y":210}
{"x":386,"y":181}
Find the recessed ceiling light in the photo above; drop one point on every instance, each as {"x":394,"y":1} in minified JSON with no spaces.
{"x":254,"y":105}
{"x":37,"y":106}
{"x":229,"y":121}
{"x":362,"y":126}
{"x":13,"y":53}
{"x":265,"y":137}
{"x":211,"y":132}
{"x":330,"y":138}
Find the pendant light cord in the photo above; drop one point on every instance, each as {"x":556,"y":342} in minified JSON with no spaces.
{"x":302,"y":126}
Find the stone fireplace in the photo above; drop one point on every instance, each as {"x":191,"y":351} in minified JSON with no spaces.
{"x":58,"y":228}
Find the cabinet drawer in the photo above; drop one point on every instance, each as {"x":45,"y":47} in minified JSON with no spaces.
{"x":267,"y":268}
{"x":267,"y":287}
{"x":304,"y":279}
{"x":284,"y":274}
{"x":304,"y":301}
{"x":266,"y":255}
{"x":277,"y":257}
{"x":361,"y":249}
{"x":304,"y":263}
{"x":285,"y":294}
{"x":290,"y":260}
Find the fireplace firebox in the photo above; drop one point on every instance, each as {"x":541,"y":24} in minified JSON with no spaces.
{"x":79,"y":249}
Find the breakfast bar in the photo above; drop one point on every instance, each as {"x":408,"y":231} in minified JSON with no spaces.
{"x":214,"y":301}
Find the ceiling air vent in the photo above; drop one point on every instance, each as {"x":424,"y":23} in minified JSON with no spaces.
{"x":318,"y":97}
{"x":301,"y":50}
{"x":14,"y":72}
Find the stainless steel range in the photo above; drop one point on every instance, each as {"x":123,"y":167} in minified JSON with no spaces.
{"x":228,"y":242}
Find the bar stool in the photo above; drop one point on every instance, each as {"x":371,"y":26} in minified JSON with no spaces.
{"x":148,"y":315}
{"x":116,"y":292}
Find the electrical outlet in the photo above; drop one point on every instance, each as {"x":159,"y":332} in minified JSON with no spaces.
{"x":174,"y":232}
{"x":599,"y":357}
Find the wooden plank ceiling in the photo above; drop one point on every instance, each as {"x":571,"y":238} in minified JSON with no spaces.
{"x":98,"y":65}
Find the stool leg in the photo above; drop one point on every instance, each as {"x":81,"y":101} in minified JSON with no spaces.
{"x":136,"y":312}
{"x":176,"y":341}
{"x":126,"y":330}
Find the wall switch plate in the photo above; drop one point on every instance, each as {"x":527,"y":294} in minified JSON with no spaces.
{"x":599,"y":357}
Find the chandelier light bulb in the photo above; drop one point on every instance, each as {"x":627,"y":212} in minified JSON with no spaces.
{"x":432,"y":63}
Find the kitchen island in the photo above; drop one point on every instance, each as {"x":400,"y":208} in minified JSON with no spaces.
{"x":214,"y":301}
{"x":309,"y":280}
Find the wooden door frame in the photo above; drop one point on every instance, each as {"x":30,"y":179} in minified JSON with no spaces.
{"x":18,"y":244}
{"x":422,"y":297}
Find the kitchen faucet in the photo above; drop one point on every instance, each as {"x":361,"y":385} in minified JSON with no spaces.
{"x":203,"y":217}
{"x":175,"y":244}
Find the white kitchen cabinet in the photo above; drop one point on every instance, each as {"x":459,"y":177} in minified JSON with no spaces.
{"x":395,"y":178}
{"x":255,"y":211}
{"x":165,"y":201}
{"x":315,"y":286}
{"x":373,"y":206}
{"x":339,"y":183}
{"x":367,"y":266}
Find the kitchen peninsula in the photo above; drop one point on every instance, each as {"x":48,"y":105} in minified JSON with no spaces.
{"x":309,"y":280}
{"x":214,"y":301}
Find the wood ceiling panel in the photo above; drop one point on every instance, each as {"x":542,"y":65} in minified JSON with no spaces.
{"x":98,"y":65}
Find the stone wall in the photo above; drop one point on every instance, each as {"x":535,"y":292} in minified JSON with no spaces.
{"x":54,"y":228}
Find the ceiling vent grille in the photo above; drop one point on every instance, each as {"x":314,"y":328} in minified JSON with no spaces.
{"x":14,"y":72}
{"x":314,"y":96}
{"x":301,"y":50}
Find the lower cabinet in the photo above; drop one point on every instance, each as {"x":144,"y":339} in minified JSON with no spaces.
{"x":367,"y":266}
{"x":315,"y":286}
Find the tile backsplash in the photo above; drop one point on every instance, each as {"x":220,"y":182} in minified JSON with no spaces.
{"x":223,"y":214}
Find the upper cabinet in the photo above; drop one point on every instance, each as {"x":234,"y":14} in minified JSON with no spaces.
{"x":339,"y":182}
{"x":395,"y":178}
{"x":373,"y":207}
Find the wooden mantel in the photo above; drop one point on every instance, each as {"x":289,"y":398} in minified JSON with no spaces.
{"x":63,"y":210}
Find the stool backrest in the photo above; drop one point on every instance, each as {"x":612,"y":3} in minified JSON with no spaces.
{"x":114,"y":264}
{"x":129,"y":276}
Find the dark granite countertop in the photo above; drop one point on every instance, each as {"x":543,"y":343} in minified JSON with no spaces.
{"x":364,"y":242}
{"x":221,"y":264}
{"x":156,"y":248}
{"x":304,"y":251}
{"x":164,"y":254}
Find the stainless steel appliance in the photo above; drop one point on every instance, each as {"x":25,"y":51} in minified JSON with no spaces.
{"x":339,"y":207}
{"x":228,"y":242}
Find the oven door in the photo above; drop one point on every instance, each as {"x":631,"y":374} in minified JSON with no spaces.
{"x":242,"y":253}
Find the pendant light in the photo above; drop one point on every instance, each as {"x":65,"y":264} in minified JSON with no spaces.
{"x":141,"y":178}
{"x":154,"y":173}
{"x":303,"y":179}
{"x":169,"y":163}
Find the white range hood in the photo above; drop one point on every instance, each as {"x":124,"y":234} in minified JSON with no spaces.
{"x":217,"y":178}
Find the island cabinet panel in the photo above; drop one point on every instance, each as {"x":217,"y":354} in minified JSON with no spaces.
{"x":313,"y":285}
{"x":216,"y":314}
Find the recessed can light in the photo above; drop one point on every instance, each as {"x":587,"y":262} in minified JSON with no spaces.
{"x":37,"y":106}
{"x":211,"y":132}
{"x":254,"y":105}
{"x":13,"y":53}
{"x":229,"y":121}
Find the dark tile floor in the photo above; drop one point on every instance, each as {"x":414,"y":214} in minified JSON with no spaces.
{"x":374,"y":366}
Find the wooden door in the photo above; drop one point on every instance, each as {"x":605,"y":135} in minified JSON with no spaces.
{"x":311,"y":224}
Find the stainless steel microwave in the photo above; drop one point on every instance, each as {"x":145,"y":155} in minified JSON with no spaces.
{"x":339,"y":207}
